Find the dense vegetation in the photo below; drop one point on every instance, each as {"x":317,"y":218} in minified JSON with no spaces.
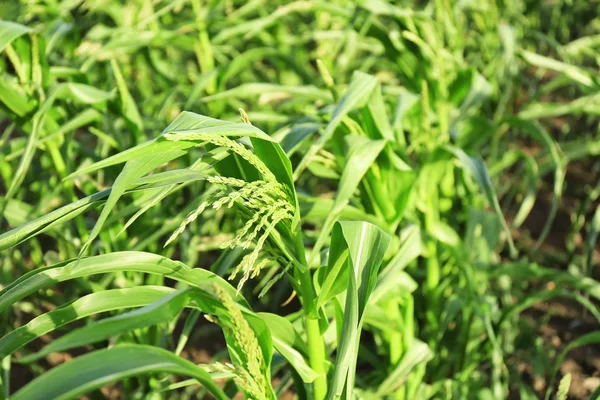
{"x":319,"y":199}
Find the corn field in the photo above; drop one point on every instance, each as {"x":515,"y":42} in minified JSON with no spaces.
{"x":313,"y":200}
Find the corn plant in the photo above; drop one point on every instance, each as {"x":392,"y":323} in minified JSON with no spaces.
{"x":258,"y":185}
{"x":377,"y":243}
{"x":361,"y":149}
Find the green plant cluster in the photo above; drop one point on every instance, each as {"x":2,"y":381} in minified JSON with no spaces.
{"x":357,"y":232}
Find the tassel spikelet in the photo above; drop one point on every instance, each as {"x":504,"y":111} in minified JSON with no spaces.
{"x":232,"y":145}
{"x":190,"y":218}
{"x":250,"y":375}
{"x":266,"y":199}
{"x":244,"y":231}
{"x":233,"y":182}
{"x":273,"y":280}
{"x":248,"y":267}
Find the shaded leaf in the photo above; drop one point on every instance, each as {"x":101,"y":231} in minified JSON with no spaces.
{"x":94,"y":370}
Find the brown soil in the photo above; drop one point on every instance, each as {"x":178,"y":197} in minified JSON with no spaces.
{"x":568,"y":321}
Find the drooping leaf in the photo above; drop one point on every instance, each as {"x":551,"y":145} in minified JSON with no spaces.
{"x":95,"y":303}
{"x":476,"y":167}
{"x":524,"y":270}
{"x":94,"y":370}
{"x":132,"y":171}
{"x":9,"y":31}
{"x":558,"y":159}
{"x":574,"y":72}
{"x":127,"y":103}
{"x":107,"y":263}
{"x":30,"y":229}
{"x":162,"y":310}
{"x":418,"y":353}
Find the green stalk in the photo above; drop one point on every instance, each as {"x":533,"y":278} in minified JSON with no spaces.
{"x":395,"y":340}
{"x":433,"y":268}
{"x":316,"y":357}
{"x":5,"y":378}
{"x":16,"y":62}
{"x":408,"y":315}
{"x":392,"y":311}
{"x":203,"y":47}
{"x":316,"y":346}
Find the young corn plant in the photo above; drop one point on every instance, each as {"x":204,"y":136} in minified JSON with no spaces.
{"x":253,"y":177}
{"x":463,"y":84}
{"x":384,"y":174}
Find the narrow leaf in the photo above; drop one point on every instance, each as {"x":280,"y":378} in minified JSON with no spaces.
{"x":94,"y":370}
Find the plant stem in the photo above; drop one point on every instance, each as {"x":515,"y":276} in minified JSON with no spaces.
{"x":203,"y":48}
{"x":316,"y":346}
{"x":316,"y":357}
{"x":433,"y":267}
{"x":395,"y":340}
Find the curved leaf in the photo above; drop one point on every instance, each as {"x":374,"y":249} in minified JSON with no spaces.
{"x":163,"y":310}
{"x":113,"y":262}
{"x":362,"y":153}
{"x":476,"y":167}
{"x":286,"y":341}
{"x":9,"y":31}
{"x":132,"y":171}
{"x":91,"y":304}
{"x":91,"y":371}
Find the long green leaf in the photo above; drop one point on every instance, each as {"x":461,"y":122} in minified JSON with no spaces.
{"x":30,"y":229}
{"x":132,"y":171}
{"x":114,"y":299}
{"x":113,"y":262}
{"x":366,"y":245}
{"x":92,"y":371}
{"x":575,"y":73}
{"x":69,"y":211}
{"x":163,"y":310}
{"x":250,"y":90}
{"x":476,"y":167}
{"x":523,"y":270}
{"x":539,"y":133}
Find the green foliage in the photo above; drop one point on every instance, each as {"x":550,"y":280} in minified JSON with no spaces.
{"x":392,"y":161}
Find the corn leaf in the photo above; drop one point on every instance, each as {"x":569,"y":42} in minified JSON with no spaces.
{"x":94,"y":370}
{"x":366,"y":245}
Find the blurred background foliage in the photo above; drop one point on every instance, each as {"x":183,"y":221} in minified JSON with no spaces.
{"x":511,"y":84}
